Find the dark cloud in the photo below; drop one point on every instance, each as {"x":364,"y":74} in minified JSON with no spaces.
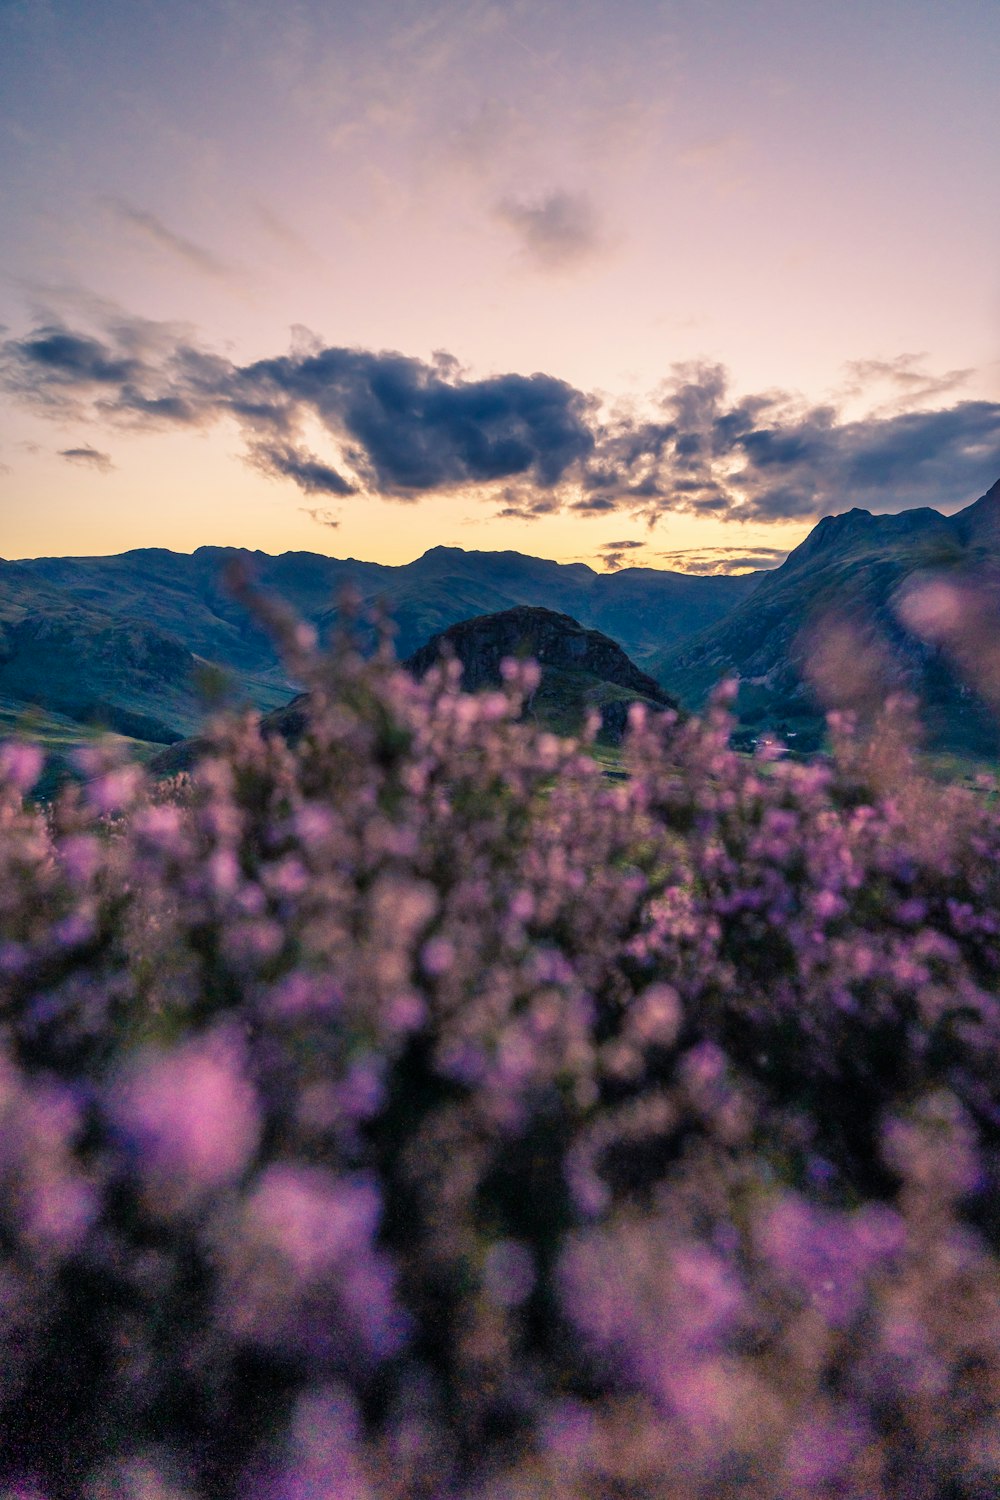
{"x":773,"y":457}
{"x":527,"y":505}
{"x":595,"y":505}
{"x":615,"y":554}
{"x":817,"y":465}
{"x":91,"y":457}
{"x":557,"y":232}
{"x":401,"y":427}
{"x":129,"y":376}
{"x":913,"y":448}
{"x":155,"y":232}
{"x":412,"y":427}
{"x":54,"y":367}
{"x":308,"y":471}
{"x":517,"y":513}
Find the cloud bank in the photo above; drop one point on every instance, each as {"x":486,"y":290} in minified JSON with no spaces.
{"x":715,"y":560}
{"x":401,"y":427}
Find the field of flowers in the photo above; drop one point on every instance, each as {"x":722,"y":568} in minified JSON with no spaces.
{"x":415,"y":1112}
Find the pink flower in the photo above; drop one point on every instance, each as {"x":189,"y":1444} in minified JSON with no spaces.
{"x":821,"y":1450}
{"x":20,"y":764}
{"x":314,"y":1220}
{"x":656,"y":1014}
{"x":115,"y":789}
{"x":191,"y":1113}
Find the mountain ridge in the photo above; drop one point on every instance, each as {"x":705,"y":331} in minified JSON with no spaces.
{"x":190,"y":622}
{"x":851,"y":573}
{"x":123,"y":639}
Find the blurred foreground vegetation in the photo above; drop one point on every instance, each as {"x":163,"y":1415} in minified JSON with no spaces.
{"x":413,"y":1111}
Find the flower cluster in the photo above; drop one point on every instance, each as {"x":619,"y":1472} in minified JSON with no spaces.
{"x":414,"y":1111}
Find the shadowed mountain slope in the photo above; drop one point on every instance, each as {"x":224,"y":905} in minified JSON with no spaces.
{"x":75,"y":659}
{"x":834,"y":625}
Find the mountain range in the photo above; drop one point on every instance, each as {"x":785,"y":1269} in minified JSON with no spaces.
{"x":131,"y":641}
{"x":125,"y":641}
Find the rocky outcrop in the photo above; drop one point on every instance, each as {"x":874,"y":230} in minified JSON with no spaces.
{"x":581,"y":668}
{"x":552,"y":639}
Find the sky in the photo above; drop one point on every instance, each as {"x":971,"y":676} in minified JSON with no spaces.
{"x":613,"y":281}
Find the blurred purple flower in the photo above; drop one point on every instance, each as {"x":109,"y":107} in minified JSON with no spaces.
{"x":508,"y":1273}
{"x":191,"y":1114}
{"x":20,"y":764}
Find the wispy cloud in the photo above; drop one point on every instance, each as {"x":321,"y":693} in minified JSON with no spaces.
{"x":908,"y":383}
{"x":310,"y":473}
{"x":89,"y":457}
{"x":321,"y":516}
{"x":726,"y":560}
{"x":614,"y":555}
{"x":557,"y":232}
{"x":290,"y":242}
{"x":403,"y":427}
{"x":155,"y":232}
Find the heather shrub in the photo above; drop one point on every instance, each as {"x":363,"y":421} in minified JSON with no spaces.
{"x":412,"y":1111}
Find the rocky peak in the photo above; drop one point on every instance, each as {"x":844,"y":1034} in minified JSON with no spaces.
{"x":552,"y":639}
{"x":853,"y":528}
{"x":980,"y":521}
{"x":831,"y":532}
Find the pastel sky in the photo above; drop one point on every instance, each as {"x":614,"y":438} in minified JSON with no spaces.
{"x":617,"y":281}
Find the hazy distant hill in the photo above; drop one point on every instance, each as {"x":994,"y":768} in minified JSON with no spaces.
{"x":184,"y":594}
{"x":854,"y":571}
{"x":642,"y":608}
